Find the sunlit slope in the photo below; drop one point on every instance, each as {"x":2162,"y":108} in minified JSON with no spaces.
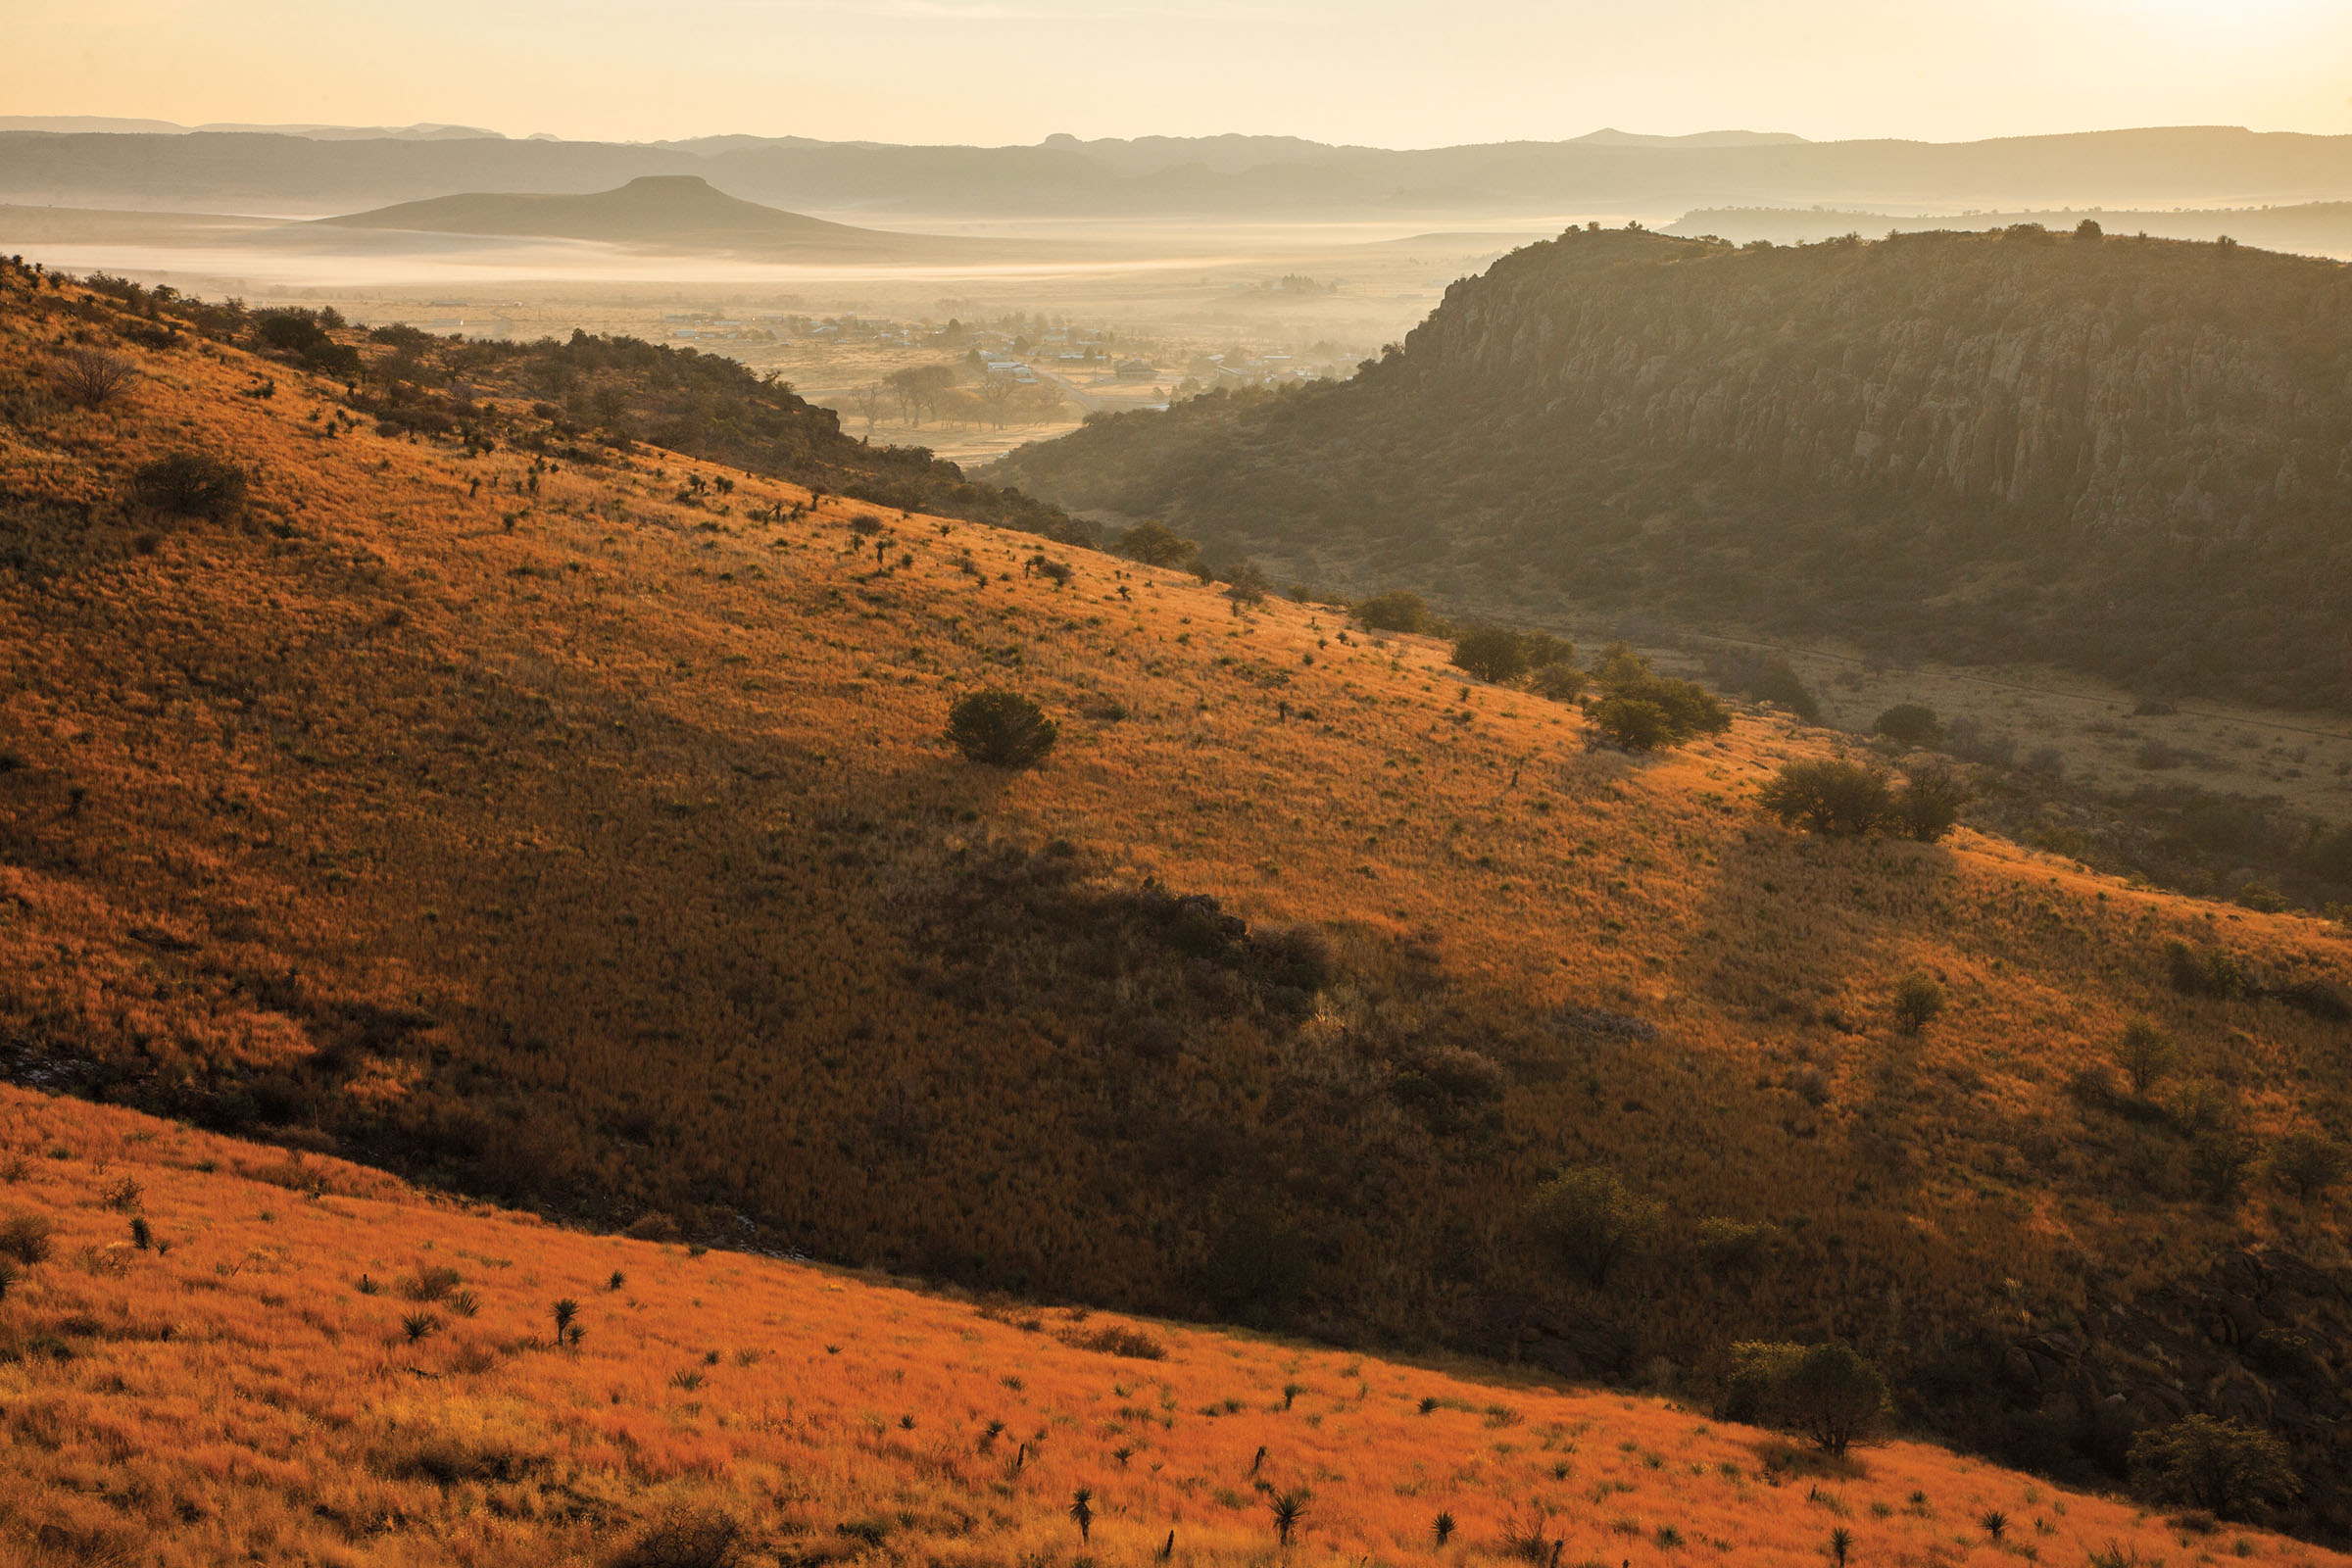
{"x":581,"y":835}
{"x":310,"y":1363}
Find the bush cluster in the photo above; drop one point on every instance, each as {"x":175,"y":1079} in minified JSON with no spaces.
{"x":1849,"y":800}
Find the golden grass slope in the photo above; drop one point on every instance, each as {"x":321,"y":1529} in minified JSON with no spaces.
{"x":262,"y":1383}
{"x":577,"y":834}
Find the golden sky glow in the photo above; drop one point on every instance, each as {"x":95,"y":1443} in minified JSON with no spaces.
{"x":1388,"y":72}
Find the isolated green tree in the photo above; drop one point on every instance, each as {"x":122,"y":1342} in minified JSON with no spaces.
{"x":1490,"y":653}
{"x":1930,"y":802}
{"x":1393,"y":611}
{"x":1001,"y":728}
{"x":1918,"y":1001}
{"x":1834,"y":1397}
{"x":1633,"y":724}
{"x":1156,"y":544}
{"x":2307,"y":1163}
{"x":2145,"y":1053}
{"x":2223,"y":1467}
{"x":1559,"y":680}
{"x":1828,"y":1392}
{"x":1839,"y":799}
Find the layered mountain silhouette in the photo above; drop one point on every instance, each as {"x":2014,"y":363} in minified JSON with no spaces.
{"x":675,"y":211}
{"x":1607,"y":171}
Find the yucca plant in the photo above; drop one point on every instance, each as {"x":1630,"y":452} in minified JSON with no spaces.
{"x":1290,"y":1508}
{"x":1082,"y":1514}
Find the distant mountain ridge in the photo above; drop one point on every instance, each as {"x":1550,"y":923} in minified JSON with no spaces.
{"x":670,"y":210}
{"x":106,"y":125}
{"x":1184,"y":177}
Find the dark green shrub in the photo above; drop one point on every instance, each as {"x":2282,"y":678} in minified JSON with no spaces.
{"x":1766,"y":677}
{"x":1689,"y":707}
{"x":1001,"y":728}
{"x":1828,"y":1392}
{"x":2225,"y":1467}
{"x":1918,"y":1001}
{"x":1842,"y":799}
{"x":1559,"y":680}
{"x":1590,"y":1222}
{"x":1247,"y":583}
{"x":1826,"y":1389}
{"x":26,"y":1238}
{"x":1543,"y":647}
{"x":2213,"y":973}
{"x":1733,"y":1247}
{"x":1634,"y":725}
{"x":2306,"y":1163}
{"x":1393,"y":611}
{"x":1930,"y":802}
{"x":1910,"y":724}
{"x":2216,"y":1165}
{"x":686,"y":1538}
{"x":191,"y":484}
{"x":297,"y":334}
{"x":2145,"y":1053}
{"x":1490,"y":653}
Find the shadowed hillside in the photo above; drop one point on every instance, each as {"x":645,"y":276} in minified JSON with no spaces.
{"x":487,"y":795}
{"x":2132,"y":457}
{"x":303,"y":1361}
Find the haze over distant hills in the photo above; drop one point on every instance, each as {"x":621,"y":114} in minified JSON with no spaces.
{"x":1234,"y":177}
{"x":674,"y":210}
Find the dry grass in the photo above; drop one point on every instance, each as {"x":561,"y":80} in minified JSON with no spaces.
{"x":576,"y":843}
{"x":245,"y":1391}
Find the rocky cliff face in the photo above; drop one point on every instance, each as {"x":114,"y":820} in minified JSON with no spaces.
{"x":2133,"y":455}
{"x":2207,"y":397}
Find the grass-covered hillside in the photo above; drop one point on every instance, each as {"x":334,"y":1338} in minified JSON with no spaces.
{"x":232,"y":1354}
{"x":2129,"y":455}
{"x":571,"y":825}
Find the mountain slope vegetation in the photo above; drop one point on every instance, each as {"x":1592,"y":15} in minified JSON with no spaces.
{"x":305,"y":1361}
{"x":570,"y":823}
{"x":2129,"y":456}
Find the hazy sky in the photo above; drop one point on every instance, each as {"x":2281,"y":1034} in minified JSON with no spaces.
{"x":1390,"y":72}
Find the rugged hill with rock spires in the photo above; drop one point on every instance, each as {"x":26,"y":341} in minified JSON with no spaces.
{"x":2129,"y":456}
{"x":433,"y":755}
